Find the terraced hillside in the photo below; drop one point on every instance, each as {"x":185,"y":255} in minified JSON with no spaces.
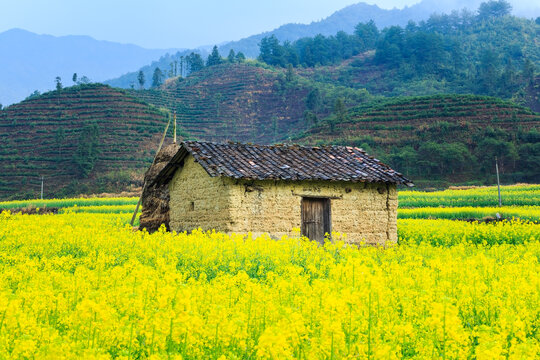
{"x":234,"y":102}
{"x":89,"y":138}
{"x":448,"y":137}
{"x":409,"y":117}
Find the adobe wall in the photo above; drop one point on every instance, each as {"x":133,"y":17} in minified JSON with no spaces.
{"x":365,"y":212}
{"x":198,"y":200}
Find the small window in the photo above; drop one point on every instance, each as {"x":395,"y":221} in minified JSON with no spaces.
{"x":192,"y":206}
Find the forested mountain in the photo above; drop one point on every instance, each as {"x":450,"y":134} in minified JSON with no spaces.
{"x":31,"y":62}
{"x":486,"y":52}
{"x":344,"y":20}
{"x":491,"y":53}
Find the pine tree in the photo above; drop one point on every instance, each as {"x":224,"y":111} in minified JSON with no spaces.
{"x":140,"y":79}
{"x":214,"y":58}
{"x":87,"y":152}
{"x":313,"y":100}
{"x":494,"y":8}
{"x":157,"y":77}
{"x":240,"y":57}
{"x":194,"y":62}
{"x":58,"y":81}
{"x":289,"y":76}
{"x":232,"y":56}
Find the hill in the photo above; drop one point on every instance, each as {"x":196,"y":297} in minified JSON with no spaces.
{"x":87,"y":138}
{"x":31,"y":62}
{"x":441,"y":138}
{"x":94,"y":138}
{"x":243,"y":102}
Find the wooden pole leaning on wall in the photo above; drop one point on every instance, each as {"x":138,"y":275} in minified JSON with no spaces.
{"x":153,"y":161}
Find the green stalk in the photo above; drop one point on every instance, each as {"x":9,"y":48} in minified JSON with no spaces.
{"x":369,"y":326}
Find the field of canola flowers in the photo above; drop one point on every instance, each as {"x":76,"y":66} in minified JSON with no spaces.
{"x":85,"y":285}
{"x":520,"y":201}
{"x":512,"y":195}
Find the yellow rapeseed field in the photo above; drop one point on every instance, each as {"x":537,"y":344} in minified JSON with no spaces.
{"x":87,"y":286}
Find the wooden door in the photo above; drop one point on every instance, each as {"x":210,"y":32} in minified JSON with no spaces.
{"x":315,"y":218}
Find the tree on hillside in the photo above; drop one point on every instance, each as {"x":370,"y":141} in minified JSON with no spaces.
{"x":488,"y":71}
{"x":313,"y":100}
{"x":84,"y":80}
{"x":490,"y":147}
{"x":289,"y":75}
{"x":494,"y":8}
{"x":33,"y":95}
{"x":58,"y":81}
{"x":214,"y":58}
{"x":390,"y":48}
{"x":339,"y":114}
{"x":271,"y":52}
{"x":157,"y":77}
{"x":426,"y":50}
{"x":194,"y":62}
{"x":340,"y":110}
{"x":527,"y":72}
{"x":368,"y":34}
{"x":240,"y":57}
{"x":140,"y":79}
{"x":86,"y":155}
{"x":231,"y":57}
{"x":74,"y":78}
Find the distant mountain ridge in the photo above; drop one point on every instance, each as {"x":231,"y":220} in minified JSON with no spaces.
{"x":31,"y":62}
{"x":346,"y":19}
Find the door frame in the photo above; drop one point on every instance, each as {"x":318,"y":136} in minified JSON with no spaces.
{"x":327,"y":214}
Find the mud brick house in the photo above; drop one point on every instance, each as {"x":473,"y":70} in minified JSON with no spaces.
{"x":272,"y":189}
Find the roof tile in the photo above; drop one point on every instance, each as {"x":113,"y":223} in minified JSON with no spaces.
{"x":286,"y":162}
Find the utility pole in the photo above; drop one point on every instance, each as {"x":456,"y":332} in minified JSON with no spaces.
{"x":498,"y":182}
{"x":41,"y":187}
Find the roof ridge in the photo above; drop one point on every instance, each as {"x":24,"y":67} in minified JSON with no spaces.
{"x":287,"y":161}
{"x":277,"y":145}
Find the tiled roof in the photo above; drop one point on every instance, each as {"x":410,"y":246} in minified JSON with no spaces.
{"x":283,"y":162}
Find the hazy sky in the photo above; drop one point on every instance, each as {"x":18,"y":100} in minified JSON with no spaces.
{"x":172,"y":23}
{"x":167,"y":23}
